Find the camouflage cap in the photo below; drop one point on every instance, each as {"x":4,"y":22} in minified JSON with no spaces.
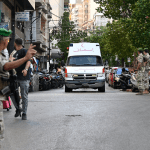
{"x":4,"y":32}
{"x":140,"y":49}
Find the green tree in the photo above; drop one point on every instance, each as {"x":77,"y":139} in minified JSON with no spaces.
{"x":118,"y":40}
{"x":140,"y":24}
{"x":67,"y":35}
{"x":100,"y":36}
{"x":116,"y":8}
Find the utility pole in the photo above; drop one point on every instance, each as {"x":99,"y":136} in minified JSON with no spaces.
{"x":49,"y":46}
{"x":49,"y":50}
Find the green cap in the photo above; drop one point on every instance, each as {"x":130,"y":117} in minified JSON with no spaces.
{"x":145,"y":48}
{"x":5,"y":32}
{"x":140,"y":49}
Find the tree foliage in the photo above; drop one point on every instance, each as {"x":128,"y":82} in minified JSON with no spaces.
{"x":131,"y":28}
{"x":116,"y":9}
{"x":140,"y":24}
{"x":67,"y":35}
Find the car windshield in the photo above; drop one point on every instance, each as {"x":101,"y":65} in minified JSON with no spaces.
{"x":84,"y":61}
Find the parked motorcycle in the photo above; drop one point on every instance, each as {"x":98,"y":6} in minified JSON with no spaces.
{"x":57,"y":80}
{"x":125,"y":80}
{"x":44,"y":81}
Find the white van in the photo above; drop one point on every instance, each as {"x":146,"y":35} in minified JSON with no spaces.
{"x":84,"y":68}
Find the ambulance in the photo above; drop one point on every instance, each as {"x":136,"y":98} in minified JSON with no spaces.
{"x":84,"y":67}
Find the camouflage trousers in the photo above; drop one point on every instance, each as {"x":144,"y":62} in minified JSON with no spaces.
{"x":146,"y":80}
{"x":140,"y":82}
{"x":1,"y":123}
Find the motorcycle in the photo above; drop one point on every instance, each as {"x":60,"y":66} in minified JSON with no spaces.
{"x":57,"y":80}
{"x":44,"y":81}
{"x":125,"y":80}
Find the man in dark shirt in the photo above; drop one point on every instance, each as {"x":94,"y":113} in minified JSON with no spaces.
{"x":23,"y":76}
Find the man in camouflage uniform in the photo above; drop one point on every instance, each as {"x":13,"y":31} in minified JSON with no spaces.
{"x":146,"y":70}
{"x":4,"y":67}
{"x":140,"y":72}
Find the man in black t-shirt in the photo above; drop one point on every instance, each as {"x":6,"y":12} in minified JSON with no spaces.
{"x":23,"y":76}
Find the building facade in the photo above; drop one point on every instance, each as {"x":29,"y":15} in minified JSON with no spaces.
{"x":37,"y":30}
{"x":58,"y":10}
{"x":8,"y":8}
{"x":85,"y":16}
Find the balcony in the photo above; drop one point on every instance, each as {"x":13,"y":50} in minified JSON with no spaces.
{"x":39,"y":3}
{"x":49,"y":15}
{"x":41,"y":41}
{"x":44,"y":44}
{"x":66,"y":9}
{"x":45,"y":9}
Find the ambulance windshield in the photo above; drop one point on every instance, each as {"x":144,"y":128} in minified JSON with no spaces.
{"x":84,"y":61}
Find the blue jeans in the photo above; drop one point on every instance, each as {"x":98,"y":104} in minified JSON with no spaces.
{"x":24,"y":86}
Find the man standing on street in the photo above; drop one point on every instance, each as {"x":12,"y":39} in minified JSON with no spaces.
{"x":23,"y":76}
{"x":146,"y":70}
{"x":140,"y":72}
{"x":4,"y":67}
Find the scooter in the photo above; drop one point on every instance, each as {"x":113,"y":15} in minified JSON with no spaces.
{"x":125,"y":80}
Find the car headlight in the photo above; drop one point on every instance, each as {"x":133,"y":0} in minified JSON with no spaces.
{"x":69,"y":75}
{"x":99,"y":75}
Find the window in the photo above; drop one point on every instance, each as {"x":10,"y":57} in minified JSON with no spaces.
{"x":66,"y":6}
{"x":86,"y":6}
{"x":86,"y":11}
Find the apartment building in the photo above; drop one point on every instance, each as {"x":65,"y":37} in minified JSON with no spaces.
{"x":37,"y":30}
{"x":85,"y":15}
{"x":80,"y":14}
{"x":77,"y":15}
{"x":66,"y":5}
{"x":58,"y":10}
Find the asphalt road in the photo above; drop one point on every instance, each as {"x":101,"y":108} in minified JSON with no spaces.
{"x":82,"y":120}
